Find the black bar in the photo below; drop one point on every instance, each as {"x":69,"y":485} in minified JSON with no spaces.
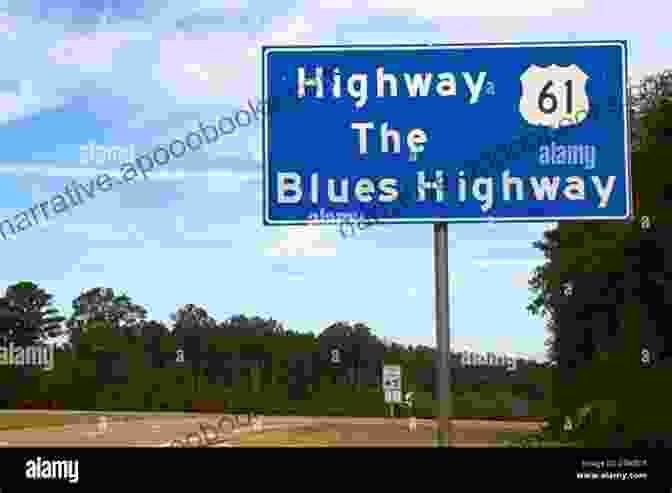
{"x":254,"y":469}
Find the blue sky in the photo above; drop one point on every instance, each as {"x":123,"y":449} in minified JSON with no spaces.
{"x":143,"y":74}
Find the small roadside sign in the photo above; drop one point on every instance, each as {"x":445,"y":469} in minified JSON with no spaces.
{"x":392,"y":378}
{"x":393,"y":396}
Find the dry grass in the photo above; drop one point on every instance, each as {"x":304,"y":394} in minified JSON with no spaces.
{"x":466,"y":434}
{"x":308,"y":437}
{"x":338,"y":435}
{"x":28,"y":421}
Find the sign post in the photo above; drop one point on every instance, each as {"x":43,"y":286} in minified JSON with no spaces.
{"x":444,"y":396}
{"x":439,"y":134}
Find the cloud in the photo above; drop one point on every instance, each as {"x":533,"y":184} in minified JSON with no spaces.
{"x":93,"y":52}
{"x":187,"y":68}
{"x":432,"y":9}
{"x":485,"y":264}
{"x":8,"y":27}
{"x":302,"y":241}
{"x":178,"y":174}
{"x":98,"y":231}
{"x":20,"y":104}
{"x":214,"y":232}
{"x":296,"y":29}
{"x":520,"y":280}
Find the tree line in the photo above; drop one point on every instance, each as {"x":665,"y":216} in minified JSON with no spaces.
{"x":604,"y":291}
{"x":116,"y":359}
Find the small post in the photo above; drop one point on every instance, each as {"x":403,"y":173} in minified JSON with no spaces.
{"x":102,"y":424}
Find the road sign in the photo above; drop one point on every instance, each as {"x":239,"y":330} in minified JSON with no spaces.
{"x":393,"y":396}
{"x":504,"y":132}
{"x":392,"y":378}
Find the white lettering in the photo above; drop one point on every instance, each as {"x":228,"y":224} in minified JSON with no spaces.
{"x":381,"y":79}
{"x":604,"y":191}
{"x":474,"y":87}
{"x":486,"y":198}
{"x":362,"y":127}
{"x":287,"y":183}
{"x":420,"y":83}
{"x":358,"y":92}
{"x":415,"y":137}
{"x":548,"y":189}
{"x":427,"y":185}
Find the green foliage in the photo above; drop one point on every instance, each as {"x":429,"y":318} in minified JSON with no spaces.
{"x":102,"y":304}
{"x":609,"y":266}
{"x":620,"y":284}
{"x":244,"y":364}
{"x":27,"y":315}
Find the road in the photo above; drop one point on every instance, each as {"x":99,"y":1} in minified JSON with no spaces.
{"x":159,"y":430}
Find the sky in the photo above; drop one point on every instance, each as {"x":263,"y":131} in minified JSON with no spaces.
{"x":142,"y":74}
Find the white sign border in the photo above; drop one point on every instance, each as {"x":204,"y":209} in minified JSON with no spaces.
{"x":629,"y":215}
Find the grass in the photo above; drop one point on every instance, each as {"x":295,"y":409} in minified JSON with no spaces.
{"x":351,"y":436}
{"x":21,"y":421}
{"x":290,"y":438}
{"x":527,"y":440}
{"x":25,"y":421}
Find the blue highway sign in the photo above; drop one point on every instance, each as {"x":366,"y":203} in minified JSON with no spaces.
{"x":446,"y":133}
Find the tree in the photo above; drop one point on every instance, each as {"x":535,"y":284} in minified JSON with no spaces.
{"x":192,"y":328}
{"x":192,"y":317}
{"x":102,"y":304}
{"x":645,"y":97}
{"x":27,"y":315}
{"x":360,"y":352}
{"x":593,"y":268}
{"x":153,"y":332}
{"x":365,"y":357}
{"x":604,"y":287}
{"x":242,"y":325}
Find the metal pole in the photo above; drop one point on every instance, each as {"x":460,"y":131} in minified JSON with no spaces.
{"x":445,"y":410}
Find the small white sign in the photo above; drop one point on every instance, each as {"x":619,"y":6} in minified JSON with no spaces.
{"x":392,"y":377}
{"x":393,"y":396}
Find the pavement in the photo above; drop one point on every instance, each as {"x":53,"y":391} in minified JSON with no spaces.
{"x":161,"y":429}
